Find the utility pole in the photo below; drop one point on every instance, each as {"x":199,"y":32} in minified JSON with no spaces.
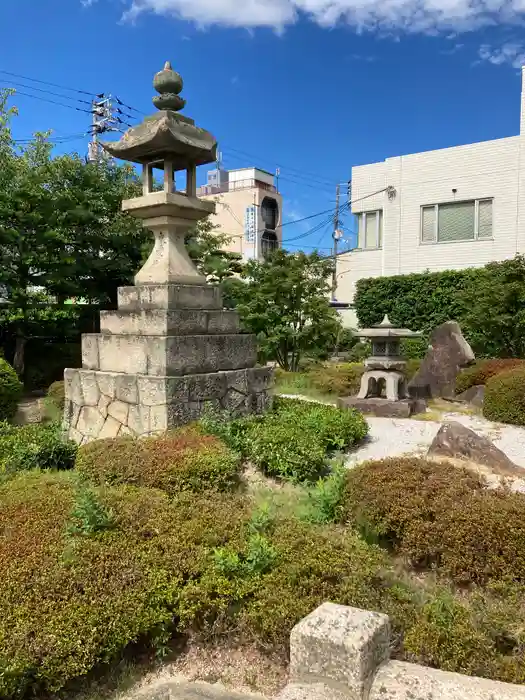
{"x":103,"y":119}
{"x":336,"y":236}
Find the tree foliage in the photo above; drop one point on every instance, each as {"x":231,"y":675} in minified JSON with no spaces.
{"x":207,"y":248}
{"x":284,"y":300}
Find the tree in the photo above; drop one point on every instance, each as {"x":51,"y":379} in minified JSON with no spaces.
{"x":206,"y":247}
{"x":494,"y":309}
{"x":285,"y":302}
{"x":61,"y":229}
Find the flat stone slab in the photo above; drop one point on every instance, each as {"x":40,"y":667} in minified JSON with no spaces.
{"x":383,"y":408}
{"x":171,"y":355}
{"x":177,"y":690}
{"x":166,"y":322}
{"x":169,"y":296}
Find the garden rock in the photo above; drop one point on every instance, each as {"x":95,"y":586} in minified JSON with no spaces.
{"x":448,"y":352}
{"x":456,"y":441}
{"x":473,"y":396}
{"x":191,"y":691}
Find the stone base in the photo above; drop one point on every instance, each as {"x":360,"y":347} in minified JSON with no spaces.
{"x":384,"y":408}
{"x":109,"y":404}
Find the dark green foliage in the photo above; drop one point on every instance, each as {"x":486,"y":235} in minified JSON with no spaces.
{"x":504,"y":399}
{"x":55,"y":393}
{"x":89,"y":515}
{"x":482,"y":371}
{"x":10,"y":390}
{"x":34,"y":446}
{"x":45,"y":363}
{"x":184,"y":460}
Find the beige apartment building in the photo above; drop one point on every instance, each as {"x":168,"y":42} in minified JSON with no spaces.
{"x":249,"y":209}
{"x":448,"y":209}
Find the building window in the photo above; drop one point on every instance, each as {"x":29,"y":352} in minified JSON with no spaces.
{"x":457,"y":221}
{"x":269,"y":243}
{"x":269,"y":213}
{"x":370,"y":229}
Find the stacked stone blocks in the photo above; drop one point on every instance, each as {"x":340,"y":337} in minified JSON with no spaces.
{"x":167,"y":354}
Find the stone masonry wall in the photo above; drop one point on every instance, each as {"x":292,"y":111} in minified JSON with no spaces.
{"x":342,"y":653}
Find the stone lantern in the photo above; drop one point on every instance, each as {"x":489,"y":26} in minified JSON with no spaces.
{"x":170,"y":350}
{"x":383,"y":384}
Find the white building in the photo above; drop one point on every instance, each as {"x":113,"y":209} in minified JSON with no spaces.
{"x":448,"y":209}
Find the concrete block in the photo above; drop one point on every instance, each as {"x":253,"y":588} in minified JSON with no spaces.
{"x":73,"y":386}
{"x":340,"y":645}
{"x":169,"y":296}
{"x":402,"y":681}
{"x":90,"y":359}
{"x":125,"y":354}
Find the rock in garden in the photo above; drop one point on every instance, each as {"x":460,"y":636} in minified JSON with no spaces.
{"x":447,"y":353}
{"x":456,"y":441}
{"x":474,"y":396}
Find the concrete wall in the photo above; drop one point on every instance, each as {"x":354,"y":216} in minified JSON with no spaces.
{"x":490,"y":169}
{"x":342,"y":653}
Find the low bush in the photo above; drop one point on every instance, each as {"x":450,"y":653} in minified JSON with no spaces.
{"x":411,"y":368}
{"x":34,"y":446}
{"x":482,"y":371}
{"x":55,"y":393}
{"x":337,"y":379}
{"x":439,"y":516}
{"x":10,"y":391}
{"x":185,"y":460}
{"x":294,"y":440}
{"x":504,"y":399}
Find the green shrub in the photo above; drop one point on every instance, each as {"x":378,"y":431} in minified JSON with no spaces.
{"x":34,"y":446}
{"x":325,"y":500}
{"x":337,"y":379}
{"x":185,"y":460}
{"x":504,"y":399}
{"x":10,"y":390}
{"x":440,"y":516}
{"x":483,"y":370}
{"x":56,"y":394}
{"x":414,"y":348}
{"x":360,"y":352}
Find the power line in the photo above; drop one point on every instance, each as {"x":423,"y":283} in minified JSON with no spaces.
{"x":54,"y":102}
{"x":45,"y":82}
{"x":323,"y":223}
{"x":49,"y":92}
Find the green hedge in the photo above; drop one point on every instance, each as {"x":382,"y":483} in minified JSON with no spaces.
{"x":34,"y":446}
{"x":504,"y":399}
{"x":488,"y":303}
{"x":10,"y":391}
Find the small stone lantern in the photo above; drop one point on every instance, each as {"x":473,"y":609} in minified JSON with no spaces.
{"x":383,"y":384}
{"x":170,"y":351}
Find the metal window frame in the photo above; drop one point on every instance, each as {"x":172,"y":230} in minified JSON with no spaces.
{"x":379,"y":220}
{"x":436,"y":221}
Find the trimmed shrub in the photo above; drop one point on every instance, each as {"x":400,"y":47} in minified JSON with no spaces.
{"x":440,"y":516}
{"x":483,"y":370}
{"x":34,"y":446}
{"x":10,"y":390}
{"x":337,"y":379}
{"x":504,"y":399}
{"x":185,"y":460}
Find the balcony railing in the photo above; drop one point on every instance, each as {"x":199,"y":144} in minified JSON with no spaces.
{"x":235,"y":186}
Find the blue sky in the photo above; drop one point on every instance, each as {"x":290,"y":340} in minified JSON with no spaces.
{"x":314,"y":86}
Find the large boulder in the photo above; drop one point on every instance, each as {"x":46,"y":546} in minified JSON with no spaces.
{"x":474,"y":396}
{"x":456,"y":441}
{"x":448,"y":352}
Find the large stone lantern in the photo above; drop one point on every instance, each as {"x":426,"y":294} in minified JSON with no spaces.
{"x":170,"y":350}
{"x":383,"y":384}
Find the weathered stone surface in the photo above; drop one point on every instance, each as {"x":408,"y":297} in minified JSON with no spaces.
{"x":110,"y":429}
{"x":475,"y":396}
{"x":73,"y":386}
{"x":402,"y":681}
{"x":119,"y":410}
{"x":169,"y":296}
{"x":340,"y":645}
{"x":384,"y":408}
{"x":207,"y":386}
{"x":103,"y":404}
{"x":448,"y":352}
{"x":260,"y":378}
{"x":176,"y":690}
{"x":457,"y":441}
{"x":90,"y":390}
{"x":313,"y":691}
{"x":162,"y":322}
{"x":126,"y":388}
{"x":89,"y":344}
{"x":175,"y":355}
{"x":107,"y":383}
{"x":90,"y":422}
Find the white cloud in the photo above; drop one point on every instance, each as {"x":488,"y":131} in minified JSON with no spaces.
{"x":423,"y":16}
{"x":511,"y":53}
